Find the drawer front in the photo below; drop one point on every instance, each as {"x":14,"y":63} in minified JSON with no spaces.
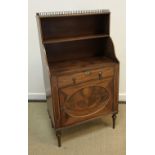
{"x":84,"y":76}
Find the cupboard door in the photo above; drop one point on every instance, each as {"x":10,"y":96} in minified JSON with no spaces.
{"x":85,"y":101}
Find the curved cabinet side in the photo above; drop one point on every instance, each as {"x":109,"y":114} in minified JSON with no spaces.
{"x":110,"y":49}
{"x":46,"y":73}
{"x":110,"y":52}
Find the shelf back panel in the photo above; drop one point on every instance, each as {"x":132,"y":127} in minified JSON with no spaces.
{"x":74,"y":26}
{"x":74,"y":49}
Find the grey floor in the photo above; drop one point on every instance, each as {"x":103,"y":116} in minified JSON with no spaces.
{"x":93,"y":138}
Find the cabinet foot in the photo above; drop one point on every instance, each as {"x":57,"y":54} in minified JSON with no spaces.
{"x":58,"y":134}
{"x":114,"y":120}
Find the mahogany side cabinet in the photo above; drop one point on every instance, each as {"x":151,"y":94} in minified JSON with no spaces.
{"x":80,"y":69}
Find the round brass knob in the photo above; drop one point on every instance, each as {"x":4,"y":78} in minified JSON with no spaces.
{"x":100,"y":75}
{"x":87,"y":72}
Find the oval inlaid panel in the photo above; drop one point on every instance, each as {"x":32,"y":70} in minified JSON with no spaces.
{"x":87,"y":101}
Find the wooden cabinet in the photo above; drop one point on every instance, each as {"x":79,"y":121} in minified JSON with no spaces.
{"x":79,"y":66}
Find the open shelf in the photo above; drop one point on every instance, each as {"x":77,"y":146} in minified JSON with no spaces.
{"x":77,"y":42}
{"x":59,"y":40}
{"x":72,"y":28}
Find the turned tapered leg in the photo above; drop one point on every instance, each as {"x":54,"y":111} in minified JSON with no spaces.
{"x":114,"y":120}
{"x":58,"y":134}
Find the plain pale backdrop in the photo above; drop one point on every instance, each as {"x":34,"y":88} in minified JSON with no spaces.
{"x":117,"y":31}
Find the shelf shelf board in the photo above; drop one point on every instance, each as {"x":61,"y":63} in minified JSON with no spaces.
{"x":74,"y":38}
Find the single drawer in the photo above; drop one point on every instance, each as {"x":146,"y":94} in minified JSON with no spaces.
{"x":85,"y":76}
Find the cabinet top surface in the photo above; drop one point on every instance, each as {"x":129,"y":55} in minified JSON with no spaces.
{"x":82,"y":64}
{"x":71,"y":13}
